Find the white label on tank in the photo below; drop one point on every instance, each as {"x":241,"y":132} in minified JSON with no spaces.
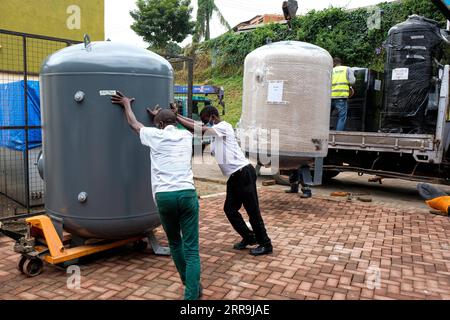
{"x":400,"y":74}
{"x":377,"y":86}
{"x":107,"y":92}
{"x":275,"y":92}
{"x":417,"y":37}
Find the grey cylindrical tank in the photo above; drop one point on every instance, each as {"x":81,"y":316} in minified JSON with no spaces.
{"x":96,"y":172}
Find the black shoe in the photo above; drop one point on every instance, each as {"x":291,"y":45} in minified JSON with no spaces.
{"x":293,"y":189}
{"x":243,"y":244}
{"x":259,"y":251}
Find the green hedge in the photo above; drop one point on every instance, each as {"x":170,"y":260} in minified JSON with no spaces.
{"x":343,"y":33}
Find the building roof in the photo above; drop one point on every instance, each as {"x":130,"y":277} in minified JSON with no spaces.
{"x":257,"y":21}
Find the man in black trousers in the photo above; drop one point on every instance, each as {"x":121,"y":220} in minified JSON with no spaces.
{"x":241,"y":185}
{"x":301,"y":176}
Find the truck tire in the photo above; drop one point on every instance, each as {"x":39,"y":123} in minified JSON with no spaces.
{"x":328,"y":175}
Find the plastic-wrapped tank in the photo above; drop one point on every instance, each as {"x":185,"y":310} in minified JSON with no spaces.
{"x":414,"y":50}
{"x":96,"y":172}
{"x":287,"y":87}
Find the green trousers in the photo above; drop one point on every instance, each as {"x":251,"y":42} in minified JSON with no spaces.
{"x":179,"y":217}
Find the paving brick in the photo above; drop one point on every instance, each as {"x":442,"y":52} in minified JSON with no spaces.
{"x":108,"y":295}
{"x":323,"y":249}
{"x":27,"y":296}
{"x":339,"y":296}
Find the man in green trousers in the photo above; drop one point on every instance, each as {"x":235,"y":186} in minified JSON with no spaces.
{"x":173,"y":189}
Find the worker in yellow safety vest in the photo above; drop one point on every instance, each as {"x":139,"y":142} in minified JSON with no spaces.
{"x":343,"y":78}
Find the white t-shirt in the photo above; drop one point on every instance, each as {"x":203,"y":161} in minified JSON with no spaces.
{"x":226,"y":150}
{"x":171,"y":158}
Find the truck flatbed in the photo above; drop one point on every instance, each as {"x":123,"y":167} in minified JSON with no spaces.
{"x":382,"y":142}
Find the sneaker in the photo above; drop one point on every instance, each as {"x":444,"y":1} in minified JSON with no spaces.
{"x":306,"y":194}
{"x":243,"y":244}
{"x":261,"y":250}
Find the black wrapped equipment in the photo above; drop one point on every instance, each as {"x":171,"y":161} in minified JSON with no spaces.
{"x":414,"y":49}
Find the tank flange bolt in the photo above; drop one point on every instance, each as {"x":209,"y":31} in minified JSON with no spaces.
{"x":79,"y":96}
{"x":82,"y":197}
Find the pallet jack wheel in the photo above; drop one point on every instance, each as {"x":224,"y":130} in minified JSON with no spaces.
{"x":21,"y":263}
{"x":33,"y":267}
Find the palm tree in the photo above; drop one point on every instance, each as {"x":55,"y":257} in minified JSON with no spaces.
{"x":206,"y":9}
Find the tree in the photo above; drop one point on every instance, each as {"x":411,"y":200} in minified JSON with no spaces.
{"x":205,"y":11}
{"x":163,"y":22}
{"x":172,"y":49}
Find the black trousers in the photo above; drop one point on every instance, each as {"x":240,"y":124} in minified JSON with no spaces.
{"x":241,"y":191}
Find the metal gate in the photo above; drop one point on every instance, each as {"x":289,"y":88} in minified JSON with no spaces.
{"x":21,"y":56}
{"x":184,"y":76}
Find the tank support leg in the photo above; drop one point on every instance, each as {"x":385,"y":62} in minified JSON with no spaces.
{"x":318,"y":171}
{"x":156,"y":247}
{"x":258,"y":169}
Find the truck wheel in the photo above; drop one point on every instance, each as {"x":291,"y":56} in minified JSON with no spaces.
{"x":328,"y":175}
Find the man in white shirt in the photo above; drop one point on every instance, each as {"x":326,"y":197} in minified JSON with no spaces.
{"x":173,"y":189}
{"x":241,"y":185}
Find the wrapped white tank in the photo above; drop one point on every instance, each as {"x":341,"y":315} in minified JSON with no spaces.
{"x":287,"y":96}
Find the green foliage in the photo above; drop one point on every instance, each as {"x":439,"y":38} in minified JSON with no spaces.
{"x":233,"y":97}
{"x":343,"y":33}
{"x":163,"y":22}
{"x":171,"y":49}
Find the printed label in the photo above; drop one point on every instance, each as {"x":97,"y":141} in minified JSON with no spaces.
{"x":107,"y":92}
{"x":417,"y":37}
{"x":377,"y":86}
{"x":275,"y":92}
{"x":400,"y":74}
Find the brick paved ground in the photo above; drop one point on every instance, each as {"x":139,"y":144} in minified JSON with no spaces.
{"x":324,"y":249}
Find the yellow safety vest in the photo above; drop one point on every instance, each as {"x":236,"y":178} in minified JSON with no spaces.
{"x":340,"y":84}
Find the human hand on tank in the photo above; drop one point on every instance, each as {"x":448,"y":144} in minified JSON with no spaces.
{"x":174,"y":108}
{"x":122,"y":100}
{"x":153,"y":112}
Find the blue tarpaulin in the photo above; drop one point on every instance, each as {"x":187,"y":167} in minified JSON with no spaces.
{"x":12,"y":114}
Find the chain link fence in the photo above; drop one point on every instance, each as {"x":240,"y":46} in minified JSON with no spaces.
{"x":21,"y":56}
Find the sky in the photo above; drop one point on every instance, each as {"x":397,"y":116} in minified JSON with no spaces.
{"x":118,"y":19}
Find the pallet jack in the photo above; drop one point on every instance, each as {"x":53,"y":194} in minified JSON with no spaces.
{"x":42,"y":242}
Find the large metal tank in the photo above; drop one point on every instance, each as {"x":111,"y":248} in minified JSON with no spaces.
{"x":287,"y":92}
{"x":96,"y":172}
{"x":414,"y":49}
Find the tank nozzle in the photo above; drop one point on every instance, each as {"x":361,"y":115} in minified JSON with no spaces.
{"x":79,"y":96}
{"x":82,"y":197}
